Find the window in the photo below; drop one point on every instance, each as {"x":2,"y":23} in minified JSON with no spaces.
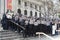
{"x":25,"y":12}
{"x":30,"y":13}
{"x":25,"y":3}
{"x":35,"y":6}
{"x":19,"y":11}
{"x":35,"y":14}
{"x":31,"y":5}
{"x":19,"y":2}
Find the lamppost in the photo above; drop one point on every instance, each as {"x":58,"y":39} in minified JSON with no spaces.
{"x":0,"y":6}
{"x":4,"y":6}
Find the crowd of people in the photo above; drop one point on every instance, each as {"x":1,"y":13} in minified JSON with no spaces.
{"x":31,"y":24}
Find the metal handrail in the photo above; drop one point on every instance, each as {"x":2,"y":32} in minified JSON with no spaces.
{"x":39,"y":33}
{"x":17,"y":24}
{"x":58,"y":30}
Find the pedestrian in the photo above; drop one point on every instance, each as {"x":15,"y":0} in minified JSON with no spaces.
{"x":31,"y":26}
{"x":54,"y":27}
{"x":16,"y":21}
{"x":4,"y":22}
{"x":35,"y":27}
{"x":27,"y":27}
{"x":9,"y":19}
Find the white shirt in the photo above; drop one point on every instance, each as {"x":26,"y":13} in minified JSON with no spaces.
{"x":20,"y":19}
{"x":43,"y":22}
{"x":47,"y":23}
{"x":26,"y":22}
{"x":36,"y":23}
{"x":8,"y":16}
{"x":31,"y":21}
{"x":16,"y":17}
{"x":54,"y":27}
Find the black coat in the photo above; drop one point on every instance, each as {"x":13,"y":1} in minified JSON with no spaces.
{"x":4,"y":21}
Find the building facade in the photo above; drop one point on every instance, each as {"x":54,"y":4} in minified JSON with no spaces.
{"x":34,"y":7}
{"x":26,"y":7}
{"x":39,"y":8}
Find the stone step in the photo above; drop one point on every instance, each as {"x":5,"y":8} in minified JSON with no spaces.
{"x":9,"y":35}
{"x":6,"y":33}
{"x":1,"y":28}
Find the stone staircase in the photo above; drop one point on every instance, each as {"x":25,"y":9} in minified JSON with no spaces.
{"x":9,"y":35}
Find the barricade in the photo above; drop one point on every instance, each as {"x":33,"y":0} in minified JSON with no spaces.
{"x":39,"y":33}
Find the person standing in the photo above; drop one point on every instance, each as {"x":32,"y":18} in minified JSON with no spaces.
{"x":54,"y":27}
{"x":39,"y":26}
{"x":27,"y":28}
{"x":4,"y":22}
{"x":9,"y":15}
{"x":35,"y":27}
{"x":15,"y":19}
{"x":31,"y":22}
